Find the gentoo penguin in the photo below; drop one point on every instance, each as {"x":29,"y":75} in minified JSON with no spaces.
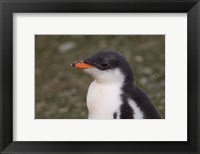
{"x":112,"y":94}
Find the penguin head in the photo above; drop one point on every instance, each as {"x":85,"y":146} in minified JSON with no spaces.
{"x":107,"y":66}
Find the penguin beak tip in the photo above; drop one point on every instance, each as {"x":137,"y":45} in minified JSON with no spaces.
{"x":81,"y":65}
{"x":73,"y":64}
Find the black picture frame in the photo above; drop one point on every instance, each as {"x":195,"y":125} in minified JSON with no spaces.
{"x":8,"y":7}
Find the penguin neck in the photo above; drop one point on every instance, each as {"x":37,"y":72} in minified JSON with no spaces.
{"x":128,"y":75}
{"x":129,"y":80}
{"x":114,"y":76}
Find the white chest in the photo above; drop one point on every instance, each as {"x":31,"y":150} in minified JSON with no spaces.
{"x":103,"y":100}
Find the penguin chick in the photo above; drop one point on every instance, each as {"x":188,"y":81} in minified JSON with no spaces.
{"x":112,"y":94}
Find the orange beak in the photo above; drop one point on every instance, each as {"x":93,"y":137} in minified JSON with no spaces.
{"x":81,"y":65}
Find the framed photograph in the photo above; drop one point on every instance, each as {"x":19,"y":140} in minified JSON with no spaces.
{"x":99,"y":76}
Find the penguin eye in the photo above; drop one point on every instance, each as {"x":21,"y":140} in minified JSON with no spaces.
{"x":104,"y":65}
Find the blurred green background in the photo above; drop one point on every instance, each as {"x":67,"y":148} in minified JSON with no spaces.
{"x":60,"y":90}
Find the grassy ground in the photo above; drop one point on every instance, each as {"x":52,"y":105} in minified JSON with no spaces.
{"x":60,"y":90}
